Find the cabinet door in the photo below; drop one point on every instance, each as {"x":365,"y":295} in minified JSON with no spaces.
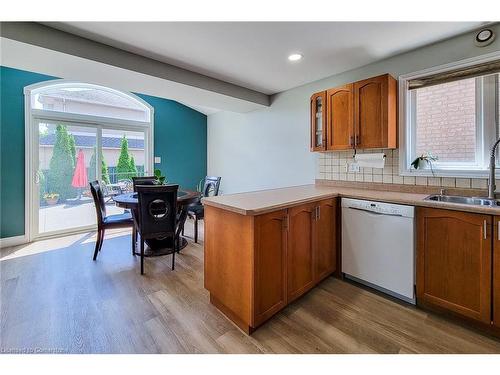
{"x":318,"y":121}
{"x":339,"y":123}
{"x":325,"y":238}
{"x":300,"y":255}
{"x":375,"y":112}
{"x":454,"y":262}
{"x":269,"y":265}
{"x":496,"y":272}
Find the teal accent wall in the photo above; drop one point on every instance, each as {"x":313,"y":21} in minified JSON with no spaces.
{"x":180,"y":139}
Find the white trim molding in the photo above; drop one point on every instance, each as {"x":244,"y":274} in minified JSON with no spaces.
{"x":405,"y":119}
{"x":13,"y":241}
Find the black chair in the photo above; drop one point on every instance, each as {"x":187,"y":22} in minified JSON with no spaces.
{"x":157,"y":215}
{"x":109,"y":222}
{"x":196,"y":211}
{"x":146,"y":180}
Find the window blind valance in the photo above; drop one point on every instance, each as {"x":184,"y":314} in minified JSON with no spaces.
{"x":483,"y":69}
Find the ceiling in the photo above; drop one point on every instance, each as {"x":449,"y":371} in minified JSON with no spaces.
{"x":254,"y":55}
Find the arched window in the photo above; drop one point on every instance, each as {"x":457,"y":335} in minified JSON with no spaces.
{"x":87,"y":99}
{"x":75,"y":133}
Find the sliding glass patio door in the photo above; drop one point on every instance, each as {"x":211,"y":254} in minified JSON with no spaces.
{"x":66,"y":156}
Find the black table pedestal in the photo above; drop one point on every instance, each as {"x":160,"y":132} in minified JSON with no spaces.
{"x":156,"y":247}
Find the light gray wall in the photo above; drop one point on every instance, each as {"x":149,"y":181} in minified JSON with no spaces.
{"x":269,"y":148}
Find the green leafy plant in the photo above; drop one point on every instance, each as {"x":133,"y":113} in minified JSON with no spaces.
{"x":161,"y":179}
{"x":423,"y":160}
{"x":201,"y":184}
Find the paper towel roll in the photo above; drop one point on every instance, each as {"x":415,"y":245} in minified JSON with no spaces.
{"x":370,"y":160}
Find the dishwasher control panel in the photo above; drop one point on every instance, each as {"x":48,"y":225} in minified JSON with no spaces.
{"x":379,"y":207}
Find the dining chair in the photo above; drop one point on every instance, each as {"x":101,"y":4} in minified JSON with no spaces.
{"x":109,"y":221}
{"x":146,"y":180}
{"x":157,"y":216}
{"x":196,"y":210}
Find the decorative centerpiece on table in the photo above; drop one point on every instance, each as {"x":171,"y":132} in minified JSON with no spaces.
{"x":162,"y":180}
{"x":424,"y":161}
{"x":51,"y":198}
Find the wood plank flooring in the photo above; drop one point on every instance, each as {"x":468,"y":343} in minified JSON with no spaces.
{"x":54,"y":298}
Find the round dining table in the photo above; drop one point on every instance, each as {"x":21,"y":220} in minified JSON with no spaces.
{"x":160,"y":246}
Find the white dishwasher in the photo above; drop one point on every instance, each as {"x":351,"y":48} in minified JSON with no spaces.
{"x":378,"y":247}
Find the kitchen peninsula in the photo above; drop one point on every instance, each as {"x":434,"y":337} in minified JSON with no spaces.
{"x":267,"y":248}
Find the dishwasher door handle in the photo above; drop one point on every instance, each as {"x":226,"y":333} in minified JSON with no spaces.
{"x":374,"y":213}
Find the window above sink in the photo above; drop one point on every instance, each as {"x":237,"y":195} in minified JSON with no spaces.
{"x":450,"y":113}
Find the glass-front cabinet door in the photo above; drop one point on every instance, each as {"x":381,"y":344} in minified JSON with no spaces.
{"x":318,"y":121}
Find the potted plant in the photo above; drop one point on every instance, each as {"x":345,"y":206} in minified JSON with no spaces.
{"x":51,"y":198}
{"x":424,"y":161}
{"x":161,"y":179}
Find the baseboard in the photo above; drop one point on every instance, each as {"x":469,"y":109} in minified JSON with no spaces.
{"x":13,"y":241}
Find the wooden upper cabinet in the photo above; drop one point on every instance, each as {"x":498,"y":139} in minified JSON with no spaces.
{"x":375,"y":112}
{"x":300,"y":254}
{"x":270,"y":264}
{"x":496,"y":271}
{"x":454,"y":262}
{"x":318,"y":121}
{"x":360,"y":115}
{"x":325,"y":238}
{"x":339,"y":123}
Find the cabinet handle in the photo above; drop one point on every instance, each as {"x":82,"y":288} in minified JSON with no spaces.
{"x":351,"y":141}
{"x":498,"y":231}
{"x":484,"y":229}
{"x":318,"y":212}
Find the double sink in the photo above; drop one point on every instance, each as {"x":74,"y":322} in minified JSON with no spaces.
{"x":473,"y":201}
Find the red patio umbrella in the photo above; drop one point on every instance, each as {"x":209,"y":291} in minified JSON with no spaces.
{"x":80,"y":179}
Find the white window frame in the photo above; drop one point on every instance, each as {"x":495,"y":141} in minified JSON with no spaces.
{"x":485,"y":133}
{"x":33,"y":116}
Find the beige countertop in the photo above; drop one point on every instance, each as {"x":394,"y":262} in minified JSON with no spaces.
{"x":259,"y":202}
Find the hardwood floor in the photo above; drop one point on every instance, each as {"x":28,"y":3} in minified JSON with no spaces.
{"x":54,"y":298}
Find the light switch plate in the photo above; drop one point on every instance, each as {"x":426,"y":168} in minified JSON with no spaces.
{"x":157,"y":160}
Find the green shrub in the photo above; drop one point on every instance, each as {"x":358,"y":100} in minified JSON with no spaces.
{"x":92,"y":168}
{"x":123,"y":166}
{"x":62,"y":165}
{"x":132,"y":168}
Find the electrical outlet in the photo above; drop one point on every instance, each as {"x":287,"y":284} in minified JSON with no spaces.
{"x":353,"y":167}
{"x":157,"y":160}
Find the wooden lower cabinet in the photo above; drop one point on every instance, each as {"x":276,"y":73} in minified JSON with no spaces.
{"x":454,"y":262}
{"x":325,"y":239}
{"x":496,"y":272}
{"x":256,"y":265}
{"x":300,"y":250}
{"x":270,"y":265}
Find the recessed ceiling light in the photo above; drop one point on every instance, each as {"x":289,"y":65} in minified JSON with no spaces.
{"x":295,"y":57}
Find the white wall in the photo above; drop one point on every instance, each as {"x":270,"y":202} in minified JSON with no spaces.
{"x":262,"y":149}
{"x":269,"y":148}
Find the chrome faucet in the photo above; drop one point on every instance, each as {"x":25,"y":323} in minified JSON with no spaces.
{"x":491,"y":180}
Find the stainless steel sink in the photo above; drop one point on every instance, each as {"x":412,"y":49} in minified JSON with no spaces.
{"x":463,"y":200}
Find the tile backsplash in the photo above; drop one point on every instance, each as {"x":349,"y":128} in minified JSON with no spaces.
{"x":332,"y":166}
